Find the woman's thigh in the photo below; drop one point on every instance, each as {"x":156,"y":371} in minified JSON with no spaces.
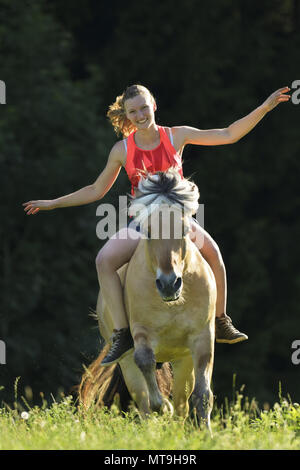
{"x":204,"y":242}
{"x":118,"y":249}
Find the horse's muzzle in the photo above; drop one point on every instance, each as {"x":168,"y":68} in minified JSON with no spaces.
{"x":169,"y":286}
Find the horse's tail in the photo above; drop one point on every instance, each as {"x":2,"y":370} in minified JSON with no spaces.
{"x":100,"y":385}
{"x":103,"y":385}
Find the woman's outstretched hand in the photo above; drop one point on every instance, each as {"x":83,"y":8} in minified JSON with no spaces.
{"x":32,"y":207}
{"x":277,"y":97}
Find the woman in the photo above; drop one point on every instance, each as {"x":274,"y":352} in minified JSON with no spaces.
{"x":157,"y":148}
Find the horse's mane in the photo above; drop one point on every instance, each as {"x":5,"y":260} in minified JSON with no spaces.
{"x":164,"y":188}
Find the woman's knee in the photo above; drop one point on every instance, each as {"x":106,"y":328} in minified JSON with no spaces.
{"x":107,"y":260}
{"x":211,"y":252}
{"x":116,"y":252}
{"x":206,"y":244}
{"x":102,"y":261}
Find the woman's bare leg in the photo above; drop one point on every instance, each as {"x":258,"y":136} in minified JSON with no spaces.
{"x":115,"y":253}
{"x":211,"y":253}
{"x":225,"y":331}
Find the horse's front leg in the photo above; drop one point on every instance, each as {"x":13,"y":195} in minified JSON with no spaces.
{"x":145,"y":360}
{"x":136,"y":384}
{"x":183,"y":385}
{"x":202,"y":349}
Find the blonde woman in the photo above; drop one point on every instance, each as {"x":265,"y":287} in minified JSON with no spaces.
{"x":157,"y":148}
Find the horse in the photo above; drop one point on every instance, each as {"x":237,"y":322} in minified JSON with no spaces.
{"x":170,"y":299}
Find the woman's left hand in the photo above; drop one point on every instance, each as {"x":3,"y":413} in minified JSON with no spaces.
{"x":277,"y":97}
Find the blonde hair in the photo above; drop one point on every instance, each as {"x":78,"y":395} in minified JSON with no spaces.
{"x":116,"y":111}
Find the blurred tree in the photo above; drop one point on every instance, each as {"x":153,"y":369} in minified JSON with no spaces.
{"x":53,"y":141}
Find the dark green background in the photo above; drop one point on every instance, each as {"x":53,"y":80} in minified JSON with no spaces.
{"x":208,"y":64}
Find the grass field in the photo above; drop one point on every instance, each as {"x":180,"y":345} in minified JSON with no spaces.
{"x":236,"y":425}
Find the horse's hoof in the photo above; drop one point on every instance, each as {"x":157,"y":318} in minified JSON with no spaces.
{"x":167,"y":407}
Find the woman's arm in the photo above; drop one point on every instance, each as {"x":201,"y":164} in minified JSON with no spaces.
{"x":87,"y":194}
{"x":238,"y":129}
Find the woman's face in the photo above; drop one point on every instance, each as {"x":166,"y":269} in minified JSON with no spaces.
{"x":140,"y":111}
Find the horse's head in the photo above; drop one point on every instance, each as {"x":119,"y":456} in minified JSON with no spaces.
{"x":163,"y":206}
{"x":166,"y":231}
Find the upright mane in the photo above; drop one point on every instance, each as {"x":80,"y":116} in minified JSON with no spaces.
{"x":163,"y":188}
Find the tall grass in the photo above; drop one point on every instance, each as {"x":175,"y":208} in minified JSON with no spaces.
{"x":238,"y":423}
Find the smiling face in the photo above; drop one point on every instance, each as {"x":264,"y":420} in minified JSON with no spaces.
{"x":140,"y":110}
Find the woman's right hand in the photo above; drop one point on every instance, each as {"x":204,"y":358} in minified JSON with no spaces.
{"x":32,"y":207}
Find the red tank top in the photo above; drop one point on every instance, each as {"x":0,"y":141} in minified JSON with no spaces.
{"x":161,"y":158}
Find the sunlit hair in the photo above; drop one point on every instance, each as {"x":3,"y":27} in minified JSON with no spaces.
{"x":116,"y":111}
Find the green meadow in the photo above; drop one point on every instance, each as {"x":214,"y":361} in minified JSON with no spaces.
{"x":238,"y":424}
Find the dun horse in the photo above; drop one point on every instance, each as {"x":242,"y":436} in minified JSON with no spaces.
{"x":170,"y":296}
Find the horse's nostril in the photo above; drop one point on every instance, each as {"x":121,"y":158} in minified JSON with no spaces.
{"x":178,"y":283}
{"x":168,"y":286}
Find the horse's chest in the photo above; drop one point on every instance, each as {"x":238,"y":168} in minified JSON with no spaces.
{"x":172,"y":326}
